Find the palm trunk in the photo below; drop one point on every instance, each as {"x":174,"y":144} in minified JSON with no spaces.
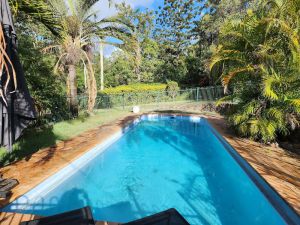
{"x":101,"y":68}
{"x":92,"y":85}
{"x":73,"y":102}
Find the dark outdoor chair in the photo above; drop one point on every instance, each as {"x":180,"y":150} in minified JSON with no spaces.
{"x":84,"y":217}
{"x":76,"y":217}
{"x":168,"y":217}
{"x":6,"y":185}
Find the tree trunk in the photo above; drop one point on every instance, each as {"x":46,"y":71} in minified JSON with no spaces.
{"x":73,"y":102}
{"x":101,"y":68}
{"x":92,"y":85}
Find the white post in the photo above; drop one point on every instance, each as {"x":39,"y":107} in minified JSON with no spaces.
{"x":101,"y":67}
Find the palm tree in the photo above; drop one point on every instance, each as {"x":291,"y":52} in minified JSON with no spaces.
{"x":74,"y":35}
{"x":260,"y":57}
{"x":75,"y":27}
{"x":36,"y":9}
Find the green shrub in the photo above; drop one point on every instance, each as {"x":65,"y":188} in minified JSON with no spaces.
{"x":46,"y":88}
{"x":134,"y":88}
{"x":172,"y":88}
{"x":260,"y":66}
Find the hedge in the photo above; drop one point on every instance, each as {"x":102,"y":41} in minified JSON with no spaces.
{"x":134,"y":88}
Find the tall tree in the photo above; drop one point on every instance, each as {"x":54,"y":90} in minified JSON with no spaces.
{"x":174,"y":32}
{"x":74,"y":36}
{"x":207,"y":29}
{"x":175,"y":23}
{"x":75,"y":27}
{"x":150,"y":60}
{"x":37,"y":10}
{"x":119,"y":69}
{"x":141,"y":24}
{"x":46,"y":88}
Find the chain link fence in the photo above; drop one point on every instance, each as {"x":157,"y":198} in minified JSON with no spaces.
{"x":126,"y":100}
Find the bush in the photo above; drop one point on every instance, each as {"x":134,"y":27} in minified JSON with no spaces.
{"x":46,"y":88}
{"x":134,"y":88}
{"x":172,"y":89}
{"x":263,"y":79}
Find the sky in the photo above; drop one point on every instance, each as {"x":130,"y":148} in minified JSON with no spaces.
{"x":104,"y":10}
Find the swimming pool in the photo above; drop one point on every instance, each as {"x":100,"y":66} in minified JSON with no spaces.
{"x":156,"y":163}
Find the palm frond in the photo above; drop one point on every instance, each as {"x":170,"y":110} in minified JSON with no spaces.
{"x":226,"y":78}
{"x":39,"y":10}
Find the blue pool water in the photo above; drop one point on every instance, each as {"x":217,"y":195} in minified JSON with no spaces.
{"x":160,"y":163}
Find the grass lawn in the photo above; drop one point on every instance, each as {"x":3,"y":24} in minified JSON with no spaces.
{"x":35,"y":139}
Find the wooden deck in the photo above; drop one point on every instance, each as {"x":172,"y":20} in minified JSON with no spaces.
{"x":17,"y":218}
{"x":280,"y":168}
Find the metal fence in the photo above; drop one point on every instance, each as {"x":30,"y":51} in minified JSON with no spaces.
{"x":124,"y":100}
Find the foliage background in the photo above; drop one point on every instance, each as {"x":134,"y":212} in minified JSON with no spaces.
{"x":251,"y":47}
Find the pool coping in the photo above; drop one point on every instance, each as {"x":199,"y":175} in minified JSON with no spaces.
{"x":277,"y":201}
{"x":234,"y":153}
{"x":64,"y":173}
{"x":107,"y":130}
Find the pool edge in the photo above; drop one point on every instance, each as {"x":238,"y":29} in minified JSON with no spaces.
{"x":220,"y":138}
{"x":285,"y":210}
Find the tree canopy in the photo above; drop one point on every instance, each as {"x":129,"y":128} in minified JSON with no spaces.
{"x":251,"y":47}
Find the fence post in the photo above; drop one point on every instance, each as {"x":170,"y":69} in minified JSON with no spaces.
{"x":123,"y":100}
{"x":197,"y":94}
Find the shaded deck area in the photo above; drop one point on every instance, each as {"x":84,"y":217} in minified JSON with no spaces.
{"x":280,"y":168}
{"x":16,"y":219}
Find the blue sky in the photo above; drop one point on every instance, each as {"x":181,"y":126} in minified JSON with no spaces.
{"x":104,"y":10}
